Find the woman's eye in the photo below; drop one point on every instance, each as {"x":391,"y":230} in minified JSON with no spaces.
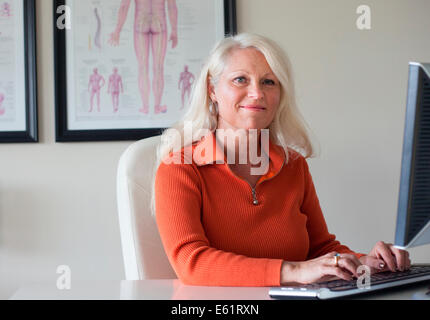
{"x":240,"y":80}
{"x":269,"y":82}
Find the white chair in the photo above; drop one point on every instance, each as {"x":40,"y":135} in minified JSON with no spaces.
{"x":143,"y":252}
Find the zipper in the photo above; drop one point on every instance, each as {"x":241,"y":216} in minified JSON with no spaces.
{"x":254,"y":196}
{"x":255,"y":201}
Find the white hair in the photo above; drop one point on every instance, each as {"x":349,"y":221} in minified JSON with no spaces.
{"x":288,"y":128}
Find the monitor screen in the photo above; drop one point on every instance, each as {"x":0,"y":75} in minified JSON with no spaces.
{"x":413,"y":215}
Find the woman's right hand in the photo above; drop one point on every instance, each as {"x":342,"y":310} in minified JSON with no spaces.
{"x":320,"y":269}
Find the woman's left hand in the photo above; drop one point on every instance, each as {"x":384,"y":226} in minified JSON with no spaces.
{"x":385,"y":257}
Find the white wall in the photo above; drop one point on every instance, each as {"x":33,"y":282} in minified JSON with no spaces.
{"x":57,"y":200}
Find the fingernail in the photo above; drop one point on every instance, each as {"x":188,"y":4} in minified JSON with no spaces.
{"x":381,"y":265}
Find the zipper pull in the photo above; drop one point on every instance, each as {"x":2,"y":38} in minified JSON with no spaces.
{"x":254,"y":196}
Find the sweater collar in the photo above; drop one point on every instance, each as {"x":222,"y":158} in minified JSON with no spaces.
{"x":208,"y":151}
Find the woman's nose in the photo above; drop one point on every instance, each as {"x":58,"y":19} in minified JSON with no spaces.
{"x":255,"y":91}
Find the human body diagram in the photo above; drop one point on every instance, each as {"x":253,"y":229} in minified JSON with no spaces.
{"x":186,"y":80}
{"x":95,"y":84}
{"x":114,"y":88}
{"x":5,"y":10}
{"x":150,"y":39}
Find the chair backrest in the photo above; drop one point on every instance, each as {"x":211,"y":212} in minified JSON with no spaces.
{"x":143,"y":253}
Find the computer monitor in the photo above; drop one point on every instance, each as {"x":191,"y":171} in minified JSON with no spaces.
{"x":413,"y":215}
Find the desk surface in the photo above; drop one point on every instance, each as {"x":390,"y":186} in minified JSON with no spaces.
{"x":175,"y":290}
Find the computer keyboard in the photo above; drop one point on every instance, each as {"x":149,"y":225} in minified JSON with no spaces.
{"x":339,"y":288}
{"x":378,"y":278}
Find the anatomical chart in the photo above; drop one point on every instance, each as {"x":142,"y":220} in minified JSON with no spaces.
{"x":132,"y":63}
{"x":12,"y":81}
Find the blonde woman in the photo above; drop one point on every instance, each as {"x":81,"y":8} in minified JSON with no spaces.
{"x":221,"y":221}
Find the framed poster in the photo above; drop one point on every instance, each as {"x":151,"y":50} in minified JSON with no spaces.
{"x":18,"y":97}
{"x":124,"y":68}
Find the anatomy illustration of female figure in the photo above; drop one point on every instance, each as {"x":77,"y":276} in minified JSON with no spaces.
{"x":2,"y":109}
{"x":114,"y":87}
{"x":150,"y":32}
{"x":94,"y":85}
{"x":186,"y":79}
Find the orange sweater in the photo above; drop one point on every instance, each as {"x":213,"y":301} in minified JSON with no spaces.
{"x":219,"y":231}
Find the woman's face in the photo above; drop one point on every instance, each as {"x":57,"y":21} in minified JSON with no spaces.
{"x":247,"y":92}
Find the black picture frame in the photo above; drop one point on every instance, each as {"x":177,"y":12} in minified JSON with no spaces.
{"x":63,"y":134}
{"x":30,"y":134}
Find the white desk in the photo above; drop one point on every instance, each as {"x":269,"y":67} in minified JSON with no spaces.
{"x":172,"y":290}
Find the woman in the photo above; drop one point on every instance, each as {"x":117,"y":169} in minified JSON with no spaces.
{"x":222,"y":223}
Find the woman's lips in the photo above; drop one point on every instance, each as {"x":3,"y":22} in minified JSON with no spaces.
{"x":253,"y":108}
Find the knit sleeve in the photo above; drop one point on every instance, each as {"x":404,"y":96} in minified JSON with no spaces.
{"x":178,"y":203}
{"x":320,"y":240}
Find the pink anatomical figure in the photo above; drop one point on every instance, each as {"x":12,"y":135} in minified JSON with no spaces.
{"x":94,"y":85}
{"x":114,"y":87}
{"x":2,"y":109}
{"x":5,"y":10}
{"x":150,"y":37}
{"x":186,"y":79}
